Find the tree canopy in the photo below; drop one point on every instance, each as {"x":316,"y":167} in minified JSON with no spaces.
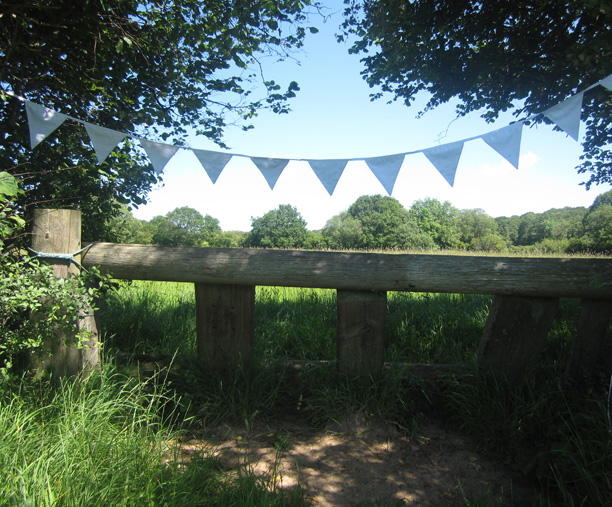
{"x":492,"y":57}
{"x":283,"y":227}
{"x":147,"y":68}
{"x":185,"y":227}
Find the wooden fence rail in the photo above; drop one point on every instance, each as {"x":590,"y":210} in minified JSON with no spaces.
{"x":526,"y":293}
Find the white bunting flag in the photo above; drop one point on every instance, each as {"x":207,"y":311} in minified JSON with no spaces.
{"x":42,"y":121}
{"x":386,"y":169}
{"x":567,"y":115}
{"x":213,"y":162}
{"x":507,"y":142}
{"x":607,"y":82}
{"x":445,"y":159}
{"x":328,"y":172}
{"x":159,"y":153}
{"x":104,"y":140}
{"x":271,"y":168}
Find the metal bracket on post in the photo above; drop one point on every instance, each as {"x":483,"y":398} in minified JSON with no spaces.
{"x":68,"y":257}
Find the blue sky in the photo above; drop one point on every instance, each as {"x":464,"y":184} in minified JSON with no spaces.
{"x":333,"y":117}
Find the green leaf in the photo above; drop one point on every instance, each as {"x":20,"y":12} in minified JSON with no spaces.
{"x":8,"y":184}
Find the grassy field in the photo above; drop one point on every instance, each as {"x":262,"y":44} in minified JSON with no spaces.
{"x":106,"y":441}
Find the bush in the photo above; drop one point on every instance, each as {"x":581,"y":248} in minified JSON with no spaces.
{"x":34,"y":304}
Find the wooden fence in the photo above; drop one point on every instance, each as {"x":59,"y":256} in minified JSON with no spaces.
{"x":526,"y":294}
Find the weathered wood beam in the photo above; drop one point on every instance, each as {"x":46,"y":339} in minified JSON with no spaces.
{"x":225,"y":326}
{"x":59,"y":232}
{"x":589,"y":340}
{"x":544,"y":277}
{"x":361,"y":324}
{"x":514,"y":334}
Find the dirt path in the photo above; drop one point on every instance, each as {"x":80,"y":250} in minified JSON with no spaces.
{"x":356,"y":462}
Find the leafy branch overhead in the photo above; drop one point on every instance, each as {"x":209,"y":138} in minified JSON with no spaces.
{"x":492,"y":57}
{"x":152,"y":69}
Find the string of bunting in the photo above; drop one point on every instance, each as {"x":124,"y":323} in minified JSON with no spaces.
{"x":506,"y":141}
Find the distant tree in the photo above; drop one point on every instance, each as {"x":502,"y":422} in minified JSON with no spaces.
{"x":492,"y":55}
{"x":597,"y":225}
{"x":479,"y":231}
{"x":127,"y":229}
{"x":283,"y":227}
{"x":601,"y":200}
{"x":598,"y":229}
{"x":231,"y":239}
{"x":438,"y":220}
{"x":185,"y":227}
{"x":385,"y":223}
{"x":508,"y":228}
{"x":343,"y":231}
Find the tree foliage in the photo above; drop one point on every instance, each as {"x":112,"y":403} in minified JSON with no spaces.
{"x":148,"y":68}
{"x":492,"y":57}
{"x":439,"y":220}
{"x":184,"y":227}
{"x":479,"y":231}
{"x":283,"y":227}
{"x":375,"y":222}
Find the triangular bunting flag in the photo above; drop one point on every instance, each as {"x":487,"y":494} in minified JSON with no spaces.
{"x":567,"y":115}
{"x":328,"y":172}
{"x":507,"y":142}
{"x":445,"y":158}
{"x":42,"y":121}
{"x":159,"y":153}
{"x":607,"y":82}
{"x":271,"y":168}
{"x":104,"y":140}
{"x":213,"y":162}
{"x":386,"y":169}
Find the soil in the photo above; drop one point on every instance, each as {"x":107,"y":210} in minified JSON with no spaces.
{"x":358,"y":461}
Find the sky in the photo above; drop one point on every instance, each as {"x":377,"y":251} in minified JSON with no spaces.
{"x":333,"y":117}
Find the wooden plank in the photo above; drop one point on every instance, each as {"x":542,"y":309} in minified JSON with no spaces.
{"x":59,"y":231}
{"x":591,"y":329}
{"x":544,"y":277}
{"x":361,"y":325}
{"x":225,"y":326}
{"x":514,"y":334}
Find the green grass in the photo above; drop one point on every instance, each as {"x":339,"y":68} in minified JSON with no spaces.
{"x":293,"y":323}
{"x":103,"y":442}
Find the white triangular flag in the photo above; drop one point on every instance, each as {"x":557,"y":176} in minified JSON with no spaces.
{"x":607,"y":82}
{"x":445,"y":158}
{"x":386,"y":169}
{"x":42,"y":121}
{"x":507,"y":142}
{"x":567,"y":115}
{"x":213,"y":162}
{"x":159,"y":153}
{"x":328,"y":172}
{"x":271,"y":168}
{"x":104,"y":140}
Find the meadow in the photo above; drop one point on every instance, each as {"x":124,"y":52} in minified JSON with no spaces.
{"x":108,"y":440}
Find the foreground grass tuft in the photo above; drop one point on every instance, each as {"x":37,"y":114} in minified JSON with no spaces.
{"x":104,"y":442}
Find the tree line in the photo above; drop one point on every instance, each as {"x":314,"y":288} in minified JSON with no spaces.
{"x":376,"y":222}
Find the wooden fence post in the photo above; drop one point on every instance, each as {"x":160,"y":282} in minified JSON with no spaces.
{"x":225,"y":326}
{"x":59,"y":232}
{"x":514,"y":334}
{"x":589,"y":338}
{"x":362,"y":317}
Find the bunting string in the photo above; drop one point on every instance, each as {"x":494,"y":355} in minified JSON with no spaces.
{"x":506,"y":141}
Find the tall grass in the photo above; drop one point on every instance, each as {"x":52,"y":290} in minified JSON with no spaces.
{"x":294,"y":323}
{"x":553,"y":432}
{"x":150,"y":317}
{"x":104,"y":442}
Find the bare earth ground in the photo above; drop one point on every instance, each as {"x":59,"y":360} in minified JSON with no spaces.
{"x":358,"y":462}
